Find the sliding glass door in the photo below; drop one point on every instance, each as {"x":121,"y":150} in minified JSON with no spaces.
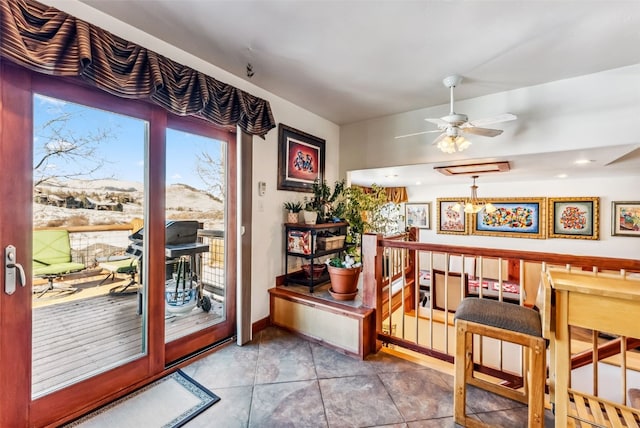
{"x":85,"y":205}
{"x":89,"y":197}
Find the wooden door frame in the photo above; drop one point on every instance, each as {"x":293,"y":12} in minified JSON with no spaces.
{"x":15,"y":204}
{"x":17,"y":409}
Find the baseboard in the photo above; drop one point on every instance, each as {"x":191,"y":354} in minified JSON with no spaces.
{"x":260,"y":325}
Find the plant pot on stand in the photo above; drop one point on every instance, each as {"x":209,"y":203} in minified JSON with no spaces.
{"x":344,"y":282}
{"x":309,"y":217}
{"x":292,"y":217}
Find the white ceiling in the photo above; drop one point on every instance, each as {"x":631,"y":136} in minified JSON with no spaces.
{"x":353,"y":60}
{"x":357,"y":59}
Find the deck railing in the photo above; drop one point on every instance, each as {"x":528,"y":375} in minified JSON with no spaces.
{"x":428,"y":281}
{"x":93,"y":243}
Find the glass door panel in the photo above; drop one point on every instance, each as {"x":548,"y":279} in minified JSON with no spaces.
{"x":88,"y":200}
{"x":196,"y":189}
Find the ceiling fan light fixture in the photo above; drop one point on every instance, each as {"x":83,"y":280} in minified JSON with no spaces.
{"x":451,"y":144}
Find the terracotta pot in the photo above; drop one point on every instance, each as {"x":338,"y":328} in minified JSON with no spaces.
{"x":344,"y":280}
{"x":317,"y":270}
{"x":292,"y":217}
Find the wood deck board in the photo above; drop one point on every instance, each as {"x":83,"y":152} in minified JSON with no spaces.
{"x":74,"y":339}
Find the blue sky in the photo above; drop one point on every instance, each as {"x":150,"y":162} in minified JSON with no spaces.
{"x":123,"y":150}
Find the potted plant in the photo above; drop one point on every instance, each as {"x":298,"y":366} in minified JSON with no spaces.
{"x":328,"y":203}
{"x":309,"y":214}
{"x":293,"y":209}
{"x":365,"y":212}
{"x":344,"y":274}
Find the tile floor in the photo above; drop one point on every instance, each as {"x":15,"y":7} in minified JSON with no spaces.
{"x":281,"y":380}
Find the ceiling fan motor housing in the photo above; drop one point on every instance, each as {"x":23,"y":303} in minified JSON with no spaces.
{"x":453,"y":131}
{"x":456,"y":119}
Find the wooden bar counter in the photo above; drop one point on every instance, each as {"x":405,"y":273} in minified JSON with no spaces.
{"x":602,"y":303}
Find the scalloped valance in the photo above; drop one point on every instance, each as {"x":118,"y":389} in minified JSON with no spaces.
{"x":396,"y":195}
{"x":49,"y":41}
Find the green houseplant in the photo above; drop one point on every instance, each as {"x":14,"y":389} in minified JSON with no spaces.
{"x":329,"y":203}
{"x":366,"y":212}
{"x":293,"y":209}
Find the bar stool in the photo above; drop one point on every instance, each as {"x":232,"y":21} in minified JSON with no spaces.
{"x":510,"y":323}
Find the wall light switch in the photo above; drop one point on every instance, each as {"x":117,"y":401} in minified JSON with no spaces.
{"x":262,"y":188}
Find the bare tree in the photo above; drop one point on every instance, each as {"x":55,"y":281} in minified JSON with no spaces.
{"x":211,"y":172}
{"x":61,"y":143}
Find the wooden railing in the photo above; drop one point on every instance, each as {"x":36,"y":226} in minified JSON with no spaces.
{"x":90,"y":243}
{"x":403,"y":320}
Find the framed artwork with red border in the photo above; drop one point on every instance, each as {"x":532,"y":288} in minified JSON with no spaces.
{"x":625,"y":218}
{"x":300,"y":159}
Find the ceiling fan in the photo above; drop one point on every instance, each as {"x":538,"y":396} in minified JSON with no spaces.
{"x":454,"y":125}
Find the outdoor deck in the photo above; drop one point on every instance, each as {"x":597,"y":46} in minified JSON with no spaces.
{"x":91,"y":330}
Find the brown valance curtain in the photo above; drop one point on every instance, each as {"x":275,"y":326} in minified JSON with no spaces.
{"x":49,"y":41}
{"x":394,"y":194}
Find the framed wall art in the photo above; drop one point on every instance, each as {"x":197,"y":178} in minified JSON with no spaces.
{"x":574,"y":218}
{"x":451,"y":217}
{"x":300,"y":159}
{"x":513,"y":218}
{"x":418,"y":214}
{"x":625,"y":218}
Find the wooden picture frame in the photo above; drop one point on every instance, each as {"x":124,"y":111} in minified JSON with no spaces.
{"x":625,"y":218}
{"x":451,"y":217}
{"x":300,"y":159}
{"x":418,"y":214}
{"x":513,"y":218}
{"x":574,"y":217}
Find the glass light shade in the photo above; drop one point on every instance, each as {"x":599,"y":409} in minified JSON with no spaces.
{"x":473,"y":205}
{"x":462,"y":143}
{"x":451,"y":144}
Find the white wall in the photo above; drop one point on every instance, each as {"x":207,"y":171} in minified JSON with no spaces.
{"x":613,"y":189}
{"x":268,"y":213}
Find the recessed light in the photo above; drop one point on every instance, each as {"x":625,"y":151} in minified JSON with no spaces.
{"x":562,"y":176}
{"x":583,"y":161}
{"x":418,"y":183}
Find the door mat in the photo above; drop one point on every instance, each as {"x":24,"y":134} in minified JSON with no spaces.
{"x":168,"y":403}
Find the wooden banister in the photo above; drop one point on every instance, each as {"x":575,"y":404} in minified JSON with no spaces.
{"x":605,"y":350}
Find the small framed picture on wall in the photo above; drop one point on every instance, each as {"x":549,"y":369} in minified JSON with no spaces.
{"x":451,"y":217}
{"x":418,"y":214}
{"x":574,"y":218}
{"x":625,"y":218}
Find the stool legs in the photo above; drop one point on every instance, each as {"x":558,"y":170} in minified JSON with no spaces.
{"x":463,"y":370}
{"x":535,"y":352}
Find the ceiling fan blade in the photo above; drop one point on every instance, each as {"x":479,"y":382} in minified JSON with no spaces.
{"x":505,"y":117}
{"x":439,"y":138}
{"x":416,"y":133}
{"x":441,"y":123}
{"x":485,"y":132}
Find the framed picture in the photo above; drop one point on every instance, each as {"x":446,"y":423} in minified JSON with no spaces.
{"x":513,"y":218}
{"x":574,"y":218}
{"x":451,"y":217}
{"x":418,"y":214}
{"x":300,"y":159}
{"x":625,"y":218}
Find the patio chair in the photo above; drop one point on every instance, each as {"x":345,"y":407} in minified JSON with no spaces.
{"x":52,"y":260}
{"x":120,"y":264}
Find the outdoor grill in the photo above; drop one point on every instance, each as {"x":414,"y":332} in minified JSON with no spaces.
{"x":180,"y":245}
{"x":180,"y":240}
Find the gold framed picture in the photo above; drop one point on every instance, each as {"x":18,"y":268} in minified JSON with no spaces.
{"x":451,"y":217}
{"x":574,"y":217}
{"x":512,"y":218}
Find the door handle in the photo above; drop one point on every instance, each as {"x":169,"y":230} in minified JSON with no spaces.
{"x":11,"y":268}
